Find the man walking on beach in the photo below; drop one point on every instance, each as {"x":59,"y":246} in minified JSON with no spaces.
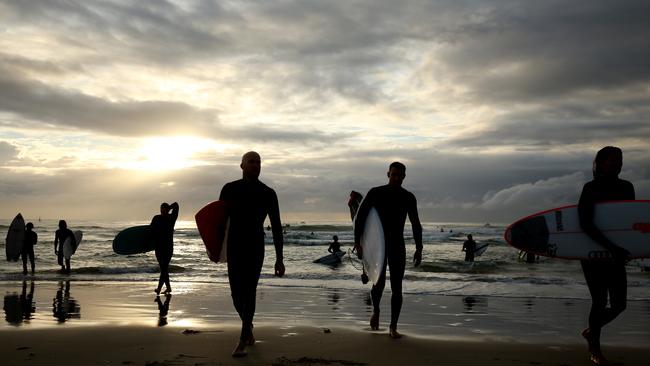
{"x":162,"y":231}
{"x":249,"y":201}
{"x":393,"y":203}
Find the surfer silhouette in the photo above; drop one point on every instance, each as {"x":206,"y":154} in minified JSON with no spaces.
{"x":469,"y":247}
{"x":604,"y":277}
{"x":249,"y":202}
{"x":27,"y":252}
{"x":162,"y":231}
{"x":59,"y":238}
{"x":335,"y":246}
{"x":393,"y":204}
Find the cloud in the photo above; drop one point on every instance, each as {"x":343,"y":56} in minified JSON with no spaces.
{"x":7,"y":152}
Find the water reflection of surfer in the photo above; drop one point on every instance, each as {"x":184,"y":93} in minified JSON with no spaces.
{"x":249,"y":202}
{"x":393,"y":204}
{"x":604,"y":277}
{"x":162,"y":230}
{"x":163,"y":309}
{"x":469,"y":247}
{"x":19,"y":309}
{"x":64,"y":306}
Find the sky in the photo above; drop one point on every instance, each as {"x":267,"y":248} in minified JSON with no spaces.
{"x":497,"y":107}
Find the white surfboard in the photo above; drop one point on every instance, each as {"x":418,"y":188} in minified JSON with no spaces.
{"x":68,"y":248}
{"x":373,"y":245}
{"x":15,"y":238}
{"x":557,"y":232}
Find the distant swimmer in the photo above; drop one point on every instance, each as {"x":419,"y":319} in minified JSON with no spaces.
{"x":27,"y":251}
{"x":249,"y":202}
{"x":604,"y":277}
{"x":335,"y":246}
{"x":469,"y":247}
{"x":162,"y":231}
{"x":59,"y":238}
{"x":393,"y":204}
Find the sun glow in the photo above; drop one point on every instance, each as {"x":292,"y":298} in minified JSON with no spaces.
{"x":172,"y":153}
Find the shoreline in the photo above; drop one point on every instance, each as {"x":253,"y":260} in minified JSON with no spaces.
{"x":82,"y":304}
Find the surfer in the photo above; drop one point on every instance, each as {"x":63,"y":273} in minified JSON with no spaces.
{"x":335,"y":246}
{"x":469,"y":247}
{"x":59,"y":238}
{"x":393,"y":203}
{"x":249,"y":202}
{"x":162,"y":230}
{"x":27,"y":251}
{"x":604,"y":277}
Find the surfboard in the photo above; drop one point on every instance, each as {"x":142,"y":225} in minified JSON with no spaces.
{"x":480,"y":249}
{"x":15,"y":238}
{"x":212,"y":221}
{"x":68,"y":248}
{"x":372,"y":239}
{"x":133,"y":240}
{"x":331,"y":259}
{"x":557,"y":232}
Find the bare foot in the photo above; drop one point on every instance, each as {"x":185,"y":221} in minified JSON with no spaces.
{"x":598,"y":359}
{"x":393,"y":333}
{"x":240,"y":350}
{"x":251,"y":338}
{"x":374,"y":321}
{"x":168,"y":290}
{"x":157,"y":291}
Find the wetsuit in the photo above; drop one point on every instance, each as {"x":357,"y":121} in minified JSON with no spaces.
{"x":27,"y":251}
{"x":393,"y":204}
{"x":162,"y":230}
{"x":249,"y":202}
{"x":470,"y":247}
{"x":603,"y":277}
{"x":59,"y":237}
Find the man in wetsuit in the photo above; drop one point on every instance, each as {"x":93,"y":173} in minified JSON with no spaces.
{"x":162,"y":231}
{"x":393,"y":203}
{"x":604,"y":277}
{"x":27,"y":252}
{"x":59,"y":239}
{"x":469,"y":247}
{"x":249,"y":201}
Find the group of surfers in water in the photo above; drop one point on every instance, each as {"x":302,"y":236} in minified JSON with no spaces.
{"x":250,"y":201}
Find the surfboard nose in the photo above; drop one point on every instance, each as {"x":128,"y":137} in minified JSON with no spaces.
{"x":530,"y":235}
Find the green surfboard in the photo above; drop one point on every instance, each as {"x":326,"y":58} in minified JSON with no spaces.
{"x":134,"y":240}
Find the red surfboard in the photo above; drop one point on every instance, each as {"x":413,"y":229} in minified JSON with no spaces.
{"x":212,"y":222}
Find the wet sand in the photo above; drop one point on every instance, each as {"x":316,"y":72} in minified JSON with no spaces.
{"x":122,"y":323}
{"x":276,"y":345}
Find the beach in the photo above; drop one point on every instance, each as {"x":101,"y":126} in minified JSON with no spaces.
{"x":121,"y":323}
{"x":495,"y":311}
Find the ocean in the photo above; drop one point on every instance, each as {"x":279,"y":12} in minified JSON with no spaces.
{"x":497,"y":273}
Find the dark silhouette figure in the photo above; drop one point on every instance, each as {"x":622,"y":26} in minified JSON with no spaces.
{"x":604,"y":277}
{"x":28,"y":247}
{"x":19,"y":308}
{"x":249,"y":201}
{"x":162,"y":232}
{"x":59,"y":239}
{"x":335,"y":246}
{"x":393,"y":203}
{"x":469,"y":247}
{"x":64,"y":306}
{"x":163,"y":309}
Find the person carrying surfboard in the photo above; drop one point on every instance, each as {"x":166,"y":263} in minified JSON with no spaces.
{"x":162,"y":232}
{"x":249,"y":201}
{"x":27,"y":252}
{"x":604,"y":277}
{"x":59,"y":238}
{"x":393,"y":204}
{"x":469,"y":247}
